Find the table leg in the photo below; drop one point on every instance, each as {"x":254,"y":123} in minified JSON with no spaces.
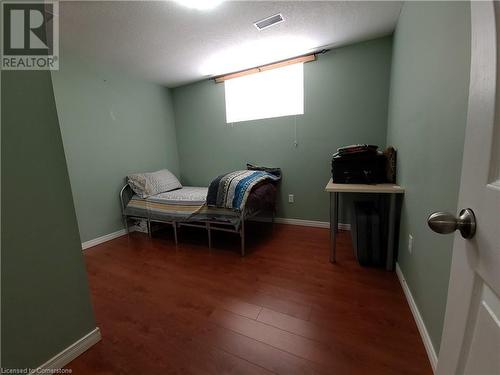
{"x":334,"y":203}
{"x":336,"y":212}
{"x":391,"y":233}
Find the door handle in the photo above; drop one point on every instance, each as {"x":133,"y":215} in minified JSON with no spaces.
{"x":444,"y":222}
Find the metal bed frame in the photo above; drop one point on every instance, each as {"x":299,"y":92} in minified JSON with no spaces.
{"x":126,"y":194}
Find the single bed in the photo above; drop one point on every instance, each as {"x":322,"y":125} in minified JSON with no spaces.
{"x":187,"y":206}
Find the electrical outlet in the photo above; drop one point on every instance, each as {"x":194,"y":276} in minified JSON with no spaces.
{"x":291,"y":198}
{"x":410,"y":243}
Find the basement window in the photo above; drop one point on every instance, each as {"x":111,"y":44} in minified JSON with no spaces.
{"x":271,"y":93}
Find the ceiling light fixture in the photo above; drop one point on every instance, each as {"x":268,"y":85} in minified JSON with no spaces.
{"x":199,"y":4}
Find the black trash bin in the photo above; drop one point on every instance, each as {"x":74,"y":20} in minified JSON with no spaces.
{"x":366,"y":232}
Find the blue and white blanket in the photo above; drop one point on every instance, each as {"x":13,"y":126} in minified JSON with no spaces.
{"x":231,"y":190}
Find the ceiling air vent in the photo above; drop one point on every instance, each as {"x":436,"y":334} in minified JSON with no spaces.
{"x":269,"y":21}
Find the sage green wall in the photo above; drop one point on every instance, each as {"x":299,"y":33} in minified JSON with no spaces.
{"x":112,"y":125}
{"x":346,"y":98}
{"x":427,"y":116}
{"x":45,"y":297}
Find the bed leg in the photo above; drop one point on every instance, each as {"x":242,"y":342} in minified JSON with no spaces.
{"x":125,"y":221}
{"x":175,"y":233}
{"x":242,"y":235}
{"x":209,"y":236}
{"x":149,"y":228}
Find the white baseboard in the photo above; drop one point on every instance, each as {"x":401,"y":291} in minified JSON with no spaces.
{"x":105,"y":238}
{"x":70,"y":353}
{"x":279,"y":220}
{"x":431,"y":352}
{"x":310,"y":223}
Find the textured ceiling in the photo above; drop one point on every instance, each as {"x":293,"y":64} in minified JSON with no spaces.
{"x":167,"y":43}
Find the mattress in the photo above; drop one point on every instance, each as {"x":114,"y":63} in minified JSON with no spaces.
{"x":189,"y":204}
{"x":187,"y":195}
{"x":175,"y":205}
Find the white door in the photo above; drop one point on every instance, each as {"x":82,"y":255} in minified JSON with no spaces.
{"x":471,"y":336}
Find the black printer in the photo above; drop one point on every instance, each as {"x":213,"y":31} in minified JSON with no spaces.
{"x":360,"y":164}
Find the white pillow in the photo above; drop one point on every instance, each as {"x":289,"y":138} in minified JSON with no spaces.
{"x":148,"y":184}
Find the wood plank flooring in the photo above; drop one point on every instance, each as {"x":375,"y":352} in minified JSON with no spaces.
{"x":283,"y":309}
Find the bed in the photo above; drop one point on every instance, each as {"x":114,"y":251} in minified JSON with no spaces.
{"x":188,"y":206}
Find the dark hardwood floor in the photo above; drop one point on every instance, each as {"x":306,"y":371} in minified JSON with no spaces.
{"x":282,"y":309}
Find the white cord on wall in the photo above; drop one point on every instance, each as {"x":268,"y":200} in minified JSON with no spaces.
{"x":295,"y":141}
